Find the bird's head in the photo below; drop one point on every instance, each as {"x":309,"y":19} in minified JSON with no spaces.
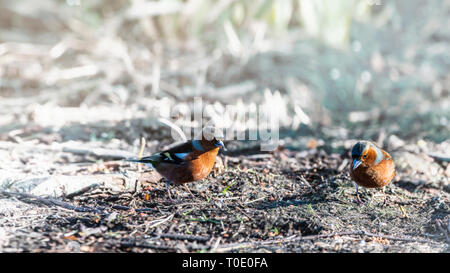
{"x":365,"y":153}
{"x":218,"y":144}
{"x":210,"y":139}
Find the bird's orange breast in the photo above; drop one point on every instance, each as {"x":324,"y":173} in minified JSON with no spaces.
{"x":191,"y":170}
{"x":374,"y":176}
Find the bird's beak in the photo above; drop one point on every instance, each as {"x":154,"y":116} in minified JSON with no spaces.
{"x":221,"y":145}
{"x":356,"y":163}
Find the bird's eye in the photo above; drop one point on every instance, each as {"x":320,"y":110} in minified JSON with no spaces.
{"x":364,"y":156}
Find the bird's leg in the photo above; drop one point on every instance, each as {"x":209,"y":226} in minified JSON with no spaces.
{"x":187,"y":188}
{"x":168,"y":189}
{"x":385,"y":196}
{"x":358,"y":200}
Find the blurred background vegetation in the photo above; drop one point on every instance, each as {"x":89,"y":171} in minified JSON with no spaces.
{"x":333,"y":68}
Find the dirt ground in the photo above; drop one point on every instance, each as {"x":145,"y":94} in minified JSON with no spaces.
{"x":284,"y":201}
{"x":75,"y":100}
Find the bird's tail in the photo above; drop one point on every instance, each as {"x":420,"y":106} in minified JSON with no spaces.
{"x":150,"y":160}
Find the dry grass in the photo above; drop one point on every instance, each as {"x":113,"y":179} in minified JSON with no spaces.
{"x":80,"y":86}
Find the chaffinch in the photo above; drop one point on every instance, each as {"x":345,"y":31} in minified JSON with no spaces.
{"x":372,"y":167}
{"x":187,"y":162}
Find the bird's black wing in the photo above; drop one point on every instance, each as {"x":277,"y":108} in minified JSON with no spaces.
{"x":178,"y":154}
{"x":175,"y":155}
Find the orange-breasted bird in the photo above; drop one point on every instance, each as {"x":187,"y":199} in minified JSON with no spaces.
{"x":372,"y":167}
{"x":187,"y":162}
